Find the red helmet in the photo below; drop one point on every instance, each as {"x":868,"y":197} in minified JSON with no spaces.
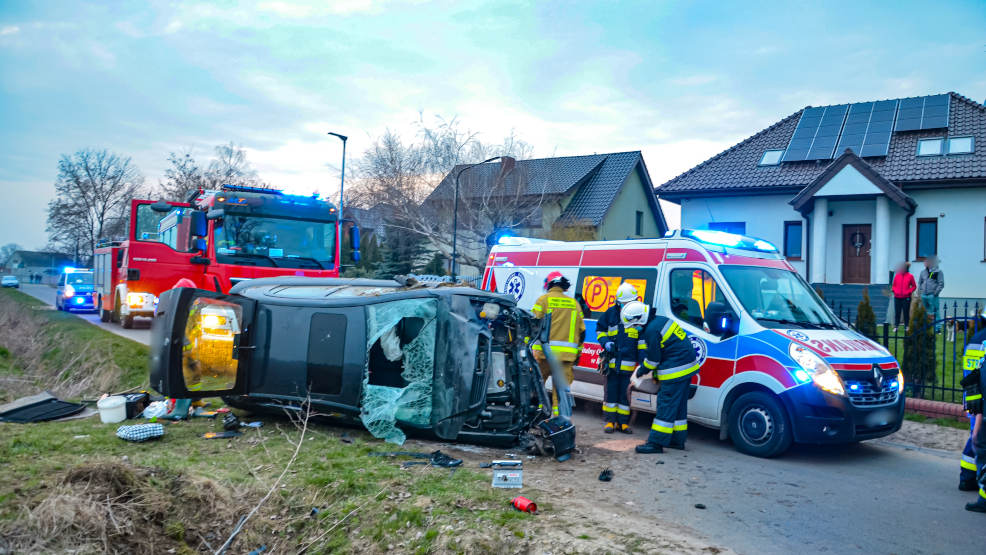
{"x":553,"y":277}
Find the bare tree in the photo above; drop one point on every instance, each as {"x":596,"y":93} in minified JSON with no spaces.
{"x":93,"y":192}
{"x":230,"y":166}
{"x":7,"y":251}
{"x":414,"y":181}
{"x":183,"y":176}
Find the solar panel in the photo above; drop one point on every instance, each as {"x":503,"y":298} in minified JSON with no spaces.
{"x":817,"y":133}
{"x":923,"y":112}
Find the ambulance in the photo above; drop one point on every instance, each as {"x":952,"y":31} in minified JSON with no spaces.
{"x":777,"y":366}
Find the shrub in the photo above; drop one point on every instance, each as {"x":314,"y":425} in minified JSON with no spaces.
{"x":919,"y":348}
{"x":865,"y":317}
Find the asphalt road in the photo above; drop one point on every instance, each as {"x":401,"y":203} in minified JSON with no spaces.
{"x":141,"y":331}
{"x":879,"y":496}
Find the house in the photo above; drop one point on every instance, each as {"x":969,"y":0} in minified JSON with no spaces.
{"x":45,"y":266}
{"x":597,"y":196}
{"x":849,"y":191}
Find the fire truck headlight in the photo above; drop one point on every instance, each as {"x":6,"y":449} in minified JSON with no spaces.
{"x":69,"y":291}
{"x":821,"y":373}
{"x":134,"y":299}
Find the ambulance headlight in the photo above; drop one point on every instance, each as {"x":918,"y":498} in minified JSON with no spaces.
{"x":821,"y":373}
{"x":899,"y":382}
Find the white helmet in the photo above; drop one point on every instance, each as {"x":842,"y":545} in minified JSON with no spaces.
{"x":634,"y":313}
{"x":626,"y":293}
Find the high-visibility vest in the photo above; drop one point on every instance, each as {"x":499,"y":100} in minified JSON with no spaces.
{"x":567,"y":325}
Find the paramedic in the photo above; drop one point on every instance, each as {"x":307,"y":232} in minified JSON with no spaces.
{"x":670,"y":356}
{"x":973,"y":472}
{"x":622,"y":345}
{"x":567,"y":329}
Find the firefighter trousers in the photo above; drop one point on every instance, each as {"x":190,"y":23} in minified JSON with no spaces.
{"x":566,"y":368}
{"x":671,"y":421}
{"x":616,"y":407}
{"x":967,"y":465}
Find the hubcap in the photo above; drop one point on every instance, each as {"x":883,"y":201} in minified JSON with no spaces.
{"x":756,"y":425}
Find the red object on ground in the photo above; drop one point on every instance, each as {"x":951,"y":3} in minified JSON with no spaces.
{"x":524,"y":504}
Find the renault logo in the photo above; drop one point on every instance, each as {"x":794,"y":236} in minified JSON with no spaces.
{"x":877,"y":377}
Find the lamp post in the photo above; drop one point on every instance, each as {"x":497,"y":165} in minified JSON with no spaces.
{"x":507,"y":164}
{"x":342,"y":185}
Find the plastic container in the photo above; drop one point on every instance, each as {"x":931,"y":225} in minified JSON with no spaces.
{"x":112,"y":409}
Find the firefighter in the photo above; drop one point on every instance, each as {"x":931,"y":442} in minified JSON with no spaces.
{"x":973,"y":472}
{"x":567,"y":329}
{"x":670,"y":356}
{"x":622,"y":346}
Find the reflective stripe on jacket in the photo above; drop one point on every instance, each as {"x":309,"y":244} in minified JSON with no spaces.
{"x":567,"y":326}
{"x":626,"y":340}
{"x":669,"y":353}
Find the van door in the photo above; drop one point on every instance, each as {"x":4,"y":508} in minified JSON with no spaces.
{"x":203,"y":344}
{"x":691,"y":295}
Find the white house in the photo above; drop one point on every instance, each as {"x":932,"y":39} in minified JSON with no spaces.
{"x":849,"y":191}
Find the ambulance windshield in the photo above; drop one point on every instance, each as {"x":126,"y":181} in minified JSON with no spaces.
{"x":778,"y":298}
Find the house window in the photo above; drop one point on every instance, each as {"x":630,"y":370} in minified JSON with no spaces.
{"x":927,"y":243}
{"x":792,"y":240}
{"x":639,"y":227}
{"x":930,"y":147}
{"x":771,"y":157}
{"x":738,"y":228}
{"x":961,"y":145}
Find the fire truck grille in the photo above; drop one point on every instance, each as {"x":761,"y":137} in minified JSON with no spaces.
{"x":867,"y":394}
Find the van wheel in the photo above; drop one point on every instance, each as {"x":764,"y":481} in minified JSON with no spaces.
{"x":758,"y":425}
{"x":128,"y":322}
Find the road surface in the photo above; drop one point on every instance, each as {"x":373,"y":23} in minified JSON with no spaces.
{"x":881,"y":496}
{"x":141,"y":331}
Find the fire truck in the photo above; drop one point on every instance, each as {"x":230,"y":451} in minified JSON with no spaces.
{"x":776,"y":364}
{"x":214,"y":240}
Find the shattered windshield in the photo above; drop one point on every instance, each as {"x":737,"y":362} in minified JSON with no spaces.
{"x":399,"y":379}
{"x":777,"y":298}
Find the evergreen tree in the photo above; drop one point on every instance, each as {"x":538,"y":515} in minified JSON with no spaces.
{"x":435,"y":266}
{"x":865,"y":317}
{"x":919,"y":348}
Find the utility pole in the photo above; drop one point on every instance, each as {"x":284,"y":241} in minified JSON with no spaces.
{"x":507,"y":163}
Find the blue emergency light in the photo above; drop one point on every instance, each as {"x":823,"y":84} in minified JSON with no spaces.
{"x":79,"y":300}
{"x":726,"y":239}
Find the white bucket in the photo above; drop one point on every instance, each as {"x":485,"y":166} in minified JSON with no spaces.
{"x":112,"y":409}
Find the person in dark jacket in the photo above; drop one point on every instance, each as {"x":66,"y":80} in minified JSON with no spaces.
{"x":903,"y":288}
{"x":622,"y":346}
{"x":669,"y":355}
{"x":930,"y":286}
{"x":972,"y":472}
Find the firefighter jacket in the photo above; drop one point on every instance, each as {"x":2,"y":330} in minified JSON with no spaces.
{"x":567,"y":327}
{"x":669,"y":352}
{"x":629,"y":346}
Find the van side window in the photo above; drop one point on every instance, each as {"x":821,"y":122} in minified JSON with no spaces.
{"x":695,"y":297}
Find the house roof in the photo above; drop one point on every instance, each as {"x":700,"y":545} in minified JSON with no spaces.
{"x":736,"y":169}
{"x":596,"y":180}
{"x":849,"y":158}
{"x":39,"y":259}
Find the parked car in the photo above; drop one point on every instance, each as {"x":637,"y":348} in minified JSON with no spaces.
{"x":10,"y":281}
{"x":396,"y":357}
{"x":75,"y":290}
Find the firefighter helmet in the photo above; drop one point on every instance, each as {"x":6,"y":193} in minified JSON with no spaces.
{"x":556,"y":278}
{"x":626,"y":293}
{"x":634,"y":313}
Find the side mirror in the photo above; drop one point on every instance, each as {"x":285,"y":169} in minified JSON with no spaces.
{"x":198,"y":226}
{"x":720,"y":319}
{"x":354,"y":238}
{"x":161,"y":206}
{"x":199,"y":244}
{"x":215,"y":214}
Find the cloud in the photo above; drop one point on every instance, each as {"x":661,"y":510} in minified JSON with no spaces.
{"x":9,"y":30}
{"x":693,"y":80}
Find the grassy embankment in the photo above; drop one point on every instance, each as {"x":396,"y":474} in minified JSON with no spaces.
{"x":74,"y":485}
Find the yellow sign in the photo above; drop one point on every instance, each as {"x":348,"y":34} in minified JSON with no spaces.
{"x":599,"y":292}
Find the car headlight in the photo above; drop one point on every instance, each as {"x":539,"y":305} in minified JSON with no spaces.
{"x":900,"y":382}
{"x":69,"y":291}
{"x":821,"y":373}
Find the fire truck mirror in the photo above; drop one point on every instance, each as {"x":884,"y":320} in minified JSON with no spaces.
{"x":161,"y":206}
{"x":198,"y":225}
{"x":199,"y":244}
{"x":215,"y":214}
{"x":354,"y":240}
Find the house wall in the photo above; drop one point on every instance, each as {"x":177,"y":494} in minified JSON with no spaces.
{"x":764,"y":216}
{"x":961,"y":213}
{"x":621,"y":220}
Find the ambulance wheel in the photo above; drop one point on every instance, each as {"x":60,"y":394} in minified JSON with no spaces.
{"x":758,"y":425}
{"x":127,"y":322}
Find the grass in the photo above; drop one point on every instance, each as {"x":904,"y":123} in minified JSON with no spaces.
{"x":183,"y":492}
{"x":961,"y":424}
{"x":948,"y":372}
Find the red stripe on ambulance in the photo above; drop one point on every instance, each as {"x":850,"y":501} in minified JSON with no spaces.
{"x":559,"y":258}
{"x":622,"y":257}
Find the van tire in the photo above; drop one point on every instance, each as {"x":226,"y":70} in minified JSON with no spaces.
{"x":758,"y":425}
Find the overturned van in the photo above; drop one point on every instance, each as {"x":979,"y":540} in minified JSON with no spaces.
{"x":446,"y":362}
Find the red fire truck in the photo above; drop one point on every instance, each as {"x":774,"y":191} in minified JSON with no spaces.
{"x":213,"y":241}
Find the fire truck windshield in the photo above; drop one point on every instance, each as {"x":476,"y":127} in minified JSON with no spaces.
{"x":277,"y":242}
{"x":777,"y":298}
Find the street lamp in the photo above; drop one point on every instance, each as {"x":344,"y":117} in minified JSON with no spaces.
{"x":342,"y":185}
{"x":506,"y":164}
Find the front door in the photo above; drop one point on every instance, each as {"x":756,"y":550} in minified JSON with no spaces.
{"x":856,"y":253}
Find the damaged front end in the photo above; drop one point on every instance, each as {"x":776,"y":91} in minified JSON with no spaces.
{"x":445,"y":362}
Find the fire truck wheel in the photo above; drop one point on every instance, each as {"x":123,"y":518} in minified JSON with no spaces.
{"x":105,"y":315}
{"x":128,"y":322}
{"x":758,"y":425}
{"x":115,"y":314}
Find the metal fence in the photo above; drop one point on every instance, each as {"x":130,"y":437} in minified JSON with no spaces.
{"x":929,"y":352}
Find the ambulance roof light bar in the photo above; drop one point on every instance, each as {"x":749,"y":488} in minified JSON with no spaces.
{"x":729,"y":240}
{"x":516,"y":241}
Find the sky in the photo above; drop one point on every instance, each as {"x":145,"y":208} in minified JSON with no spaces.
{"x":680,"y":81}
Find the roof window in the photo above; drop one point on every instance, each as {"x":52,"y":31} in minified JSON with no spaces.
{"x":930,"y":147}
{"x":771,"y":157}
{"x":961,"y":145}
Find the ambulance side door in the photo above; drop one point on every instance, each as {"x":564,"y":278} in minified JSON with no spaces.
{"x":691,"y":293}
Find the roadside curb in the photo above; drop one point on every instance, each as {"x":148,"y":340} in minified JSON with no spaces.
{"x":935,"y":409}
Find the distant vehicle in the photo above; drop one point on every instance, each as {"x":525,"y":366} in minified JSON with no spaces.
{"x":75,"y":290}
{"x":434,"y":360}
{"x":213,"y":241}
{"x":10,"y":281}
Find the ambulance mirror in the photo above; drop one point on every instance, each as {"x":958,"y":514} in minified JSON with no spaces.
{"x":720,"y":319}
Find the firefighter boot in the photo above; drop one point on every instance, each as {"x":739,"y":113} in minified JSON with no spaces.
{"x":980,"y":505}
{"x":626,"y":429}
{"x":968,"y":484}
{"x":609,"y":427}
{"x":649,"y":448}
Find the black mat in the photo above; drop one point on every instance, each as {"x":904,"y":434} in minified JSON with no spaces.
{"x":38,"y":408}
